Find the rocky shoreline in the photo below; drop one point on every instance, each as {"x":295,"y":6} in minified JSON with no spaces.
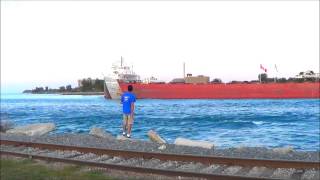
{"x":88,"y":140}
{"x":100,"y":139}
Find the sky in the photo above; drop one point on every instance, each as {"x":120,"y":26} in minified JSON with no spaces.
{"x":54,"y":43}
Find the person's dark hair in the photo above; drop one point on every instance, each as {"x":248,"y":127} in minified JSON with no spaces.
{"x":130,"y":88}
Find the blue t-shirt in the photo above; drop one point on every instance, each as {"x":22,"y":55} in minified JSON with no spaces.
{"x":126,"y":99}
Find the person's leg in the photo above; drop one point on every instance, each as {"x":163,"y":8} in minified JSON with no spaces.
{"x":129,"y":127}
{"x":124,"y":124}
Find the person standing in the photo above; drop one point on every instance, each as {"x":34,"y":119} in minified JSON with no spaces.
{"x":128,"y":99}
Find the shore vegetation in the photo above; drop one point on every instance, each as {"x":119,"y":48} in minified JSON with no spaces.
{"x":26,"y":169}
{"x":84,"y":85}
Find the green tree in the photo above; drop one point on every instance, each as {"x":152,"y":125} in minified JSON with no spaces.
{"x":69,"y":88}
{"x":98,"y":86}
{"x":62,"y":88}
{"x":86,"y":85}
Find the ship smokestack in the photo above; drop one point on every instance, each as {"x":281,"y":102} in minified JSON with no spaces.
{"x":184,"y":70}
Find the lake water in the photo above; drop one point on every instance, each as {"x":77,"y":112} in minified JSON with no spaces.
{"x":227,"y":123}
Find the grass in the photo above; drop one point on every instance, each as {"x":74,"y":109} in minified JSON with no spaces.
{"x":12,"y":169}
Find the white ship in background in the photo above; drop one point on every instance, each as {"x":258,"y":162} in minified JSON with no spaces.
{"x":120,"y":72}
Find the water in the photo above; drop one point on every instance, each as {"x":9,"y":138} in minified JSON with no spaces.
{"x":227,"y":123}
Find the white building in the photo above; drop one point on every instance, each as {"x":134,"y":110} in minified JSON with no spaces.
{"x":308,"y":74}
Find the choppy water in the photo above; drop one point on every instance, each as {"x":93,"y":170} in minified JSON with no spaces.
{"x":269,"y":123}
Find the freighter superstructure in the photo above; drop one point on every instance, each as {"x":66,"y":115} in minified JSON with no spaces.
{"x":120,"y":72}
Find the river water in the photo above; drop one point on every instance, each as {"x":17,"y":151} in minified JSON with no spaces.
{"x":226,"y":123}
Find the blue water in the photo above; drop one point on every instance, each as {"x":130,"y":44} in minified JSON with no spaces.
{"x":227,"y":123}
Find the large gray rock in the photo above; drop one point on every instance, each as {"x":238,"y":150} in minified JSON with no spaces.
{"x":5,"y":125}
{"x":123,"y":138}
{"x":37,"y":129}
{"x":153,"y":136}
{"x":283,"y":150}
{"x":98,"y":132}
{"x":193,"y":143}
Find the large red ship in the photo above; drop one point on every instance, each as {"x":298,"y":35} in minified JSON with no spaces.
{"x":199,"y":87}
{"x":224,"y":91}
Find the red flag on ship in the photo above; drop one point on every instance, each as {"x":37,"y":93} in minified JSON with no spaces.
{"x":263,"y":68}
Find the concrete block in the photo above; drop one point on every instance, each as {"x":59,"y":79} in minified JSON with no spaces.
{"x":193,"y":143}
{"x":283,"y":150}
{"x":155,"y":137}
{"x":98,"y":132}
{"x":37,"y":129}
{"x":162,"y":147}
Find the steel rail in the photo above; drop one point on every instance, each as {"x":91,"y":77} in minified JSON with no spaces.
{"x":174,"y":157}
{"x":135,"y":169}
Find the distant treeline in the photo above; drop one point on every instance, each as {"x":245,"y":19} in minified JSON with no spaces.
{"x":91,"y":85}
{"x":47,"y":90}
{"x":84,"y":85}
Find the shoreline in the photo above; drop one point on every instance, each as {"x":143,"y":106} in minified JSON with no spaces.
{"x":82,"y":93}
{"x":87,"y":140}
{"x":72,"y":93}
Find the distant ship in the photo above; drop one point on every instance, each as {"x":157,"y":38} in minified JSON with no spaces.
{"x":199,"y":87}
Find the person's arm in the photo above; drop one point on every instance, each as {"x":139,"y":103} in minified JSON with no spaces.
{"x":132,"y":108}
{"x":132,"y":105}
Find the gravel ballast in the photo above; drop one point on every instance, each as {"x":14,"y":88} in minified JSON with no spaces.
{"x":181,"y":166}
{"x":146,"y":146}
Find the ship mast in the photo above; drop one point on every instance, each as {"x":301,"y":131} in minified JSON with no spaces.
{"x":184,"y":70}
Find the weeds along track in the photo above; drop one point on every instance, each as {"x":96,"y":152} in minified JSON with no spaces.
{"x":206,"y":167}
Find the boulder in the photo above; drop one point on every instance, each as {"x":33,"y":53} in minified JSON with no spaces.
{"x":162,"y":147}
{"x":193,"y":143}
{"x":123,"y":138}
{"x":155,"y":137}
{"x":283,"y":150}
{"x":241,"y":148}
{"x":5,"y":125}
{"x":37,"y":129}
{"x":98,"y":132}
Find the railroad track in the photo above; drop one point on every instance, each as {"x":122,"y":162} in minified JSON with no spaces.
{"x":206,"y":167}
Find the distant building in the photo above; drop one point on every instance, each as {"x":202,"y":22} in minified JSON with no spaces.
{"x":197,"y":79}
{"x":308,"y":74}
{"x":93,"y":81}
{"x":80,"y":83}
{"x":152,"y":80}
{"x":177,"y":80}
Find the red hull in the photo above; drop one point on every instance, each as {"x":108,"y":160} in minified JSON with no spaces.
{"x":225,"y":91}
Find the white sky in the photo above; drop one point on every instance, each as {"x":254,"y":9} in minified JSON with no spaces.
{"x":55,"y":43}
